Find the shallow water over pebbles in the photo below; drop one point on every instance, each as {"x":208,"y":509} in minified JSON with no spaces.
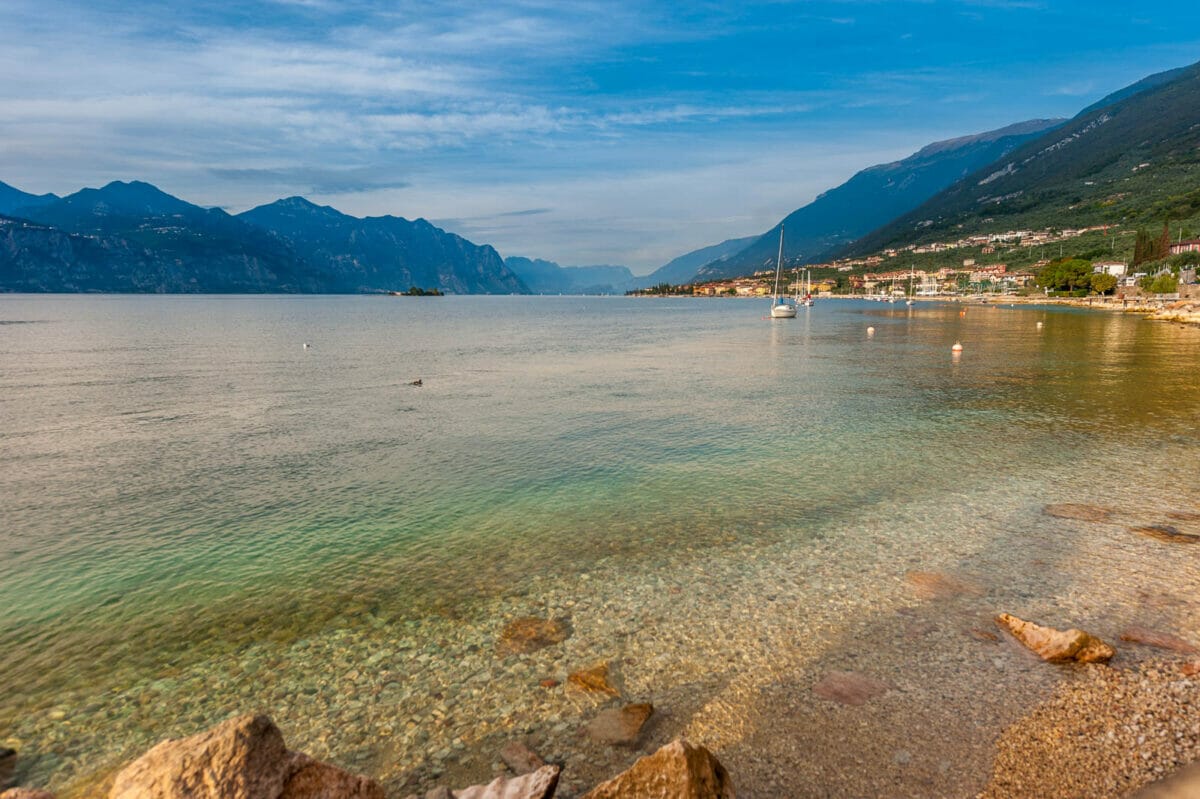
{"x":203,"y":517}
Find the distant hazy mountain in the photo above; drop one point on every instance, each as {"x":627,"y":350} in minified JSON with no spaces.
{"x":383,"y":253}
{"x":547,"y":277}
{"x":132,"y":237}
{"x":682,"y":269}
{"x":875,"y":196}
{"x":1133,"y":161}
{"x":13,"y":198}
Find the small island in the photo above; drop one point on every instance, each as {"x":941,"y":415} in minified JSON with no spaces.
{"x":417,"y":291}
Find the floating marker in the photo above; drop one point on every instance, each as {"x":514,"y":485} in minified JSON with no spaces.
{"x":307,"y":345}
{"x":956,"y":348}
{"x":1039,"y":325}
{"x":962,"y":313}
{"x":870,"y":331}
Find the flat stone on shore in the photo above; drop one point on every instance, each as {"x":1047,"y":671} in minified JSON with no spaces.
{"x":1143,"y":635}
{"x":1079,"y":511}
{"x":1166,"y":533}
{"x":620,"y":726}
{"x":935,"y":585}
{"x":849,"y":688}
{"x":593,"y":680}
{"x":520,"y":758}
{"x":530,"y":634}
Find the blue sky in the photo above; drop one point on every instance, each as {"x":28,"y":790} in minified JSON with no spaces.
{"x":583,"y":132}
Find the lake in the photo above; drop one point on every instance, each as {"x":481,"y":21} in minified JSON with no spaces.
{"x":202,"y":516}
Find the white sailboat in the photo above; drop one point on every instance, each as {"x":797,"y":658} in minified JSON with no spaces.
{"x":910,"y":300}
{"x":780,"y":307}
{"x":808,"y":297}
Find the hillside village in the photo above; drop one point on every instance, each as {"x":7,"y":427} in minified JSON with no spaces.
{"x":955,"y":275}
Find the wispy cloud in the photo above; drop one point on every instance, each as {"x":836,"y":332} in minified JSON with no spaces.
{"x":611,"y":126}
{"x":1080,"y":89}
{"x":313,"y":180}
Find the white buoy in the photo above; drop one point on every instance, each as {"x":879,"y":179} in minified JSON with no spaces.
{"x":956,"y":348}
{"x":1039,"y":325}
{"x":870,"y":331}
{"x":307,"y":345}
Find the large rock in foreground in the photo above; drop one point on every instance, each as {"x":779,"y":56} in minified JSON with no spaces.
{"x":242,"y":758}
{"x":312,"y":779}
{"x":677,"y":771}
{"x":25,"y":793}
{"x":1057,"y":646}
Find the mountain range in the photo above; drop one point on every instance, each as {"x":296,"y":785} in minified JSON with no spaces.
{"x":12,"y":199}
{"x":1131,"y":159}
{"x":873,"y":197}
{"x":133,"y":237}
{"x":548,"y":277}
{"x":381,"y":253}
{"x":684,"y":268}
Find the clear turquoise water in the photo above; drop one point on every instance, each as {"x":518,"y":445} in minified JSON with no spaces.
{"x":185,"y":487}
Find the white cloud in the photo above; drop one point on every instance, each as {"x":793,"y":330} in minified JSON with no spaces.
{"x":642,"y":217}
{"x":468,"y":111}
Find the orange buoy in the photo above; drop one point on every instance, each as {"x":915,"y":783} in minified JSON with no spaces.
{"x":956,"y":348}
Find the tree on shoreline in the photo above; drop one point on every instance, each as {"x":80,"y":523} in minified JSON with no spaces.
{"x":1146,"y":248}
{"x":1065,"y":274}
{"x":1142,"y":248}
{"x":1162,"y":283}
{"x":1103,"y":283}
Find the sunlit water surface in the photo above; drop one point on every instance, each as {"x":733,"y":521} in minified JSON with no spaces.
{"x":201,"y":516}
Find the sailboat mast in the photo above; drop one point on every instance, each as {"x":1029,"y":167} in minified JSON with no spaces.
{"x":779,"y":261}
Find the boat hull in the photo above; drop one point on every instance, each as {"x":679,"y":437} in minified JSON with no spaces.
{"x":783,"y":312}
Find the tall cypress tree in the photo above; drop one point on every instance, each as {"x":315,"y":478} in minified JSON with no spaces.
{"x":1164,"y":243}
{"x":1142,"y":248}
